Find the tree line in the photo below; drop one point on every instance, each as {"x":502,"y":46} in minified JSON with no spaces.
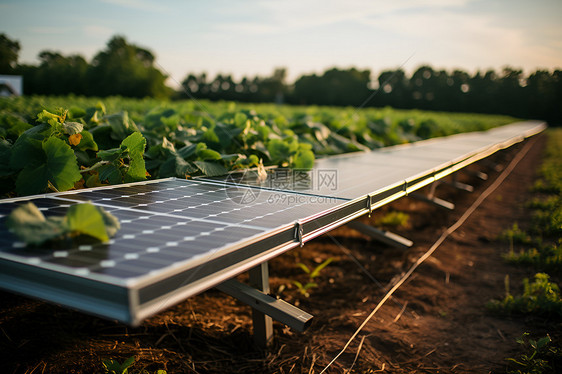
{"x":120,"y":69}
{"x":129,"y":70}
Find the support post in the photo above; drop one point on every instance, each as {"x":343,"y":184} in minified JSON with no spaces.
{"x":382,"y":236}
{"x":459,"y":185}
{"x":278,"y":309}
{"x":433,"y":200}
{"x":478,"y":174}
{"x":263,"y":325}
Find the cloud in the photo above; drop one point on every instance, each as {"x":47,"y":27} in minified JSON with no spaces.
{"x":97,"y":31}
{"x":460,"y":39}
{"x":294,"y":15}
{"x":143,"y":5}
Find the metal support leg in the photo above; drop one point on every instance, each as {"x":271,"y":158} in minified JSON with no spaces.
{"x":433,"y":200}
{"x":493,"y":165}
{"x":461,"y":186}
{"x":263,"y":325}
{"x":385,"y":237}
{"x":265,"y":307}
{"x":477,"y":174}
{"x":277,"y":309}
{"x":432,"y":189}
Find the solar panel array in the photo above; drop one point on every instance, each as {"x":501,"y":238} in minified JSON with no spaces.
{"x":180,"y":237}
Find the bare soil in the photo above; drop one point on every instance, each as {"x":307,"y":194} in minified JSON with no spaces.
{"x":435,"y":323}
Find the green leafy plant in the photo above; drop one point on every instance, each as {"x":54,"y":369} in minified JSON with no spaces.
{"x":114,"y":367}
{"x":544,"y":257}
{"x":46,"y":147}
{"x":540,"y":297}
{"x":123,"y":164}
{"x":42,"y":156}
{"x":312,"y":273}
{"x":394,"y":219}
{"x":31,"y":226}
{"x":535,"y":359}
{"x":515,"y":235}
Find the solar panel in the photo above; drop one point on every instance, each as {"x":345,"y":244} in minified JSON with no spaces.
{"x":180,"y":237}
{"x":388,"y":170}
{"x":174,"y":234}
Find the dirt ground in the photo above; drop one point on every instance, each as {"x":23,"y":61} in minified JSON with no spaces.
{"x":435,"y":323}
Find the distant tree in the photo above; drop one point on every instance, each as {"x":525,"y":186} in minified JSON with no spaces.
{"x":423,"y":85}
{"x":9,"y":53}
{"x":334,"y":87}
{"x":274,"y":88}
{"x":393,"y":90}
{"x":460,"y":88}
{"x":224,"y":87}
{"x":483,"y":92}
{"x":125,"y":69}
{"x":510,"y":99}
{"x":59,"y":75}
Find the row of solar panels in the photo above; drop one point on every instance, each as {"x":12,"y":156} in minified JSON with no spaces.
{"x":180,"y":237}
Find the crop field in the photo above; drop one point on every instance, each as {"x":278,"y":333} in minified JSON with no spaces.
{"x":60,"y":143}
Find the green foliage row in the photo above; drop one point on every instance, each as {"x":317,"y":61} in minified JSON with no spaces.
{"x":540,"y":249}
{"x":540,"y":297}
{"x":59,"y":143}
{"x":111,"y":366}
{"x":540,"y":245}
{"x":537,"y":356}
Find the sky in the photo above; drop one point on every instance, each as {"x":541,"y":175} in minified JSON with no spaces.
{"x":251,"y":37}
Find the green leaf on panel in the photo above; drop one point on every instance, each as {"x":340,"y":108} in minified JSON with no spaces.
{"x":86,"y":219}
{"x":31,"y":226}
{"x":111,"y":222}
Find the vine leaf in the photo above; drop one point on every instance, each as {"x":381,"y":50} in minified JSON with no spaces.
{"x":135,"y":144}
{"x":211,"y":169}
{"x":31,"y":226}
{"x":58,"y":166}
